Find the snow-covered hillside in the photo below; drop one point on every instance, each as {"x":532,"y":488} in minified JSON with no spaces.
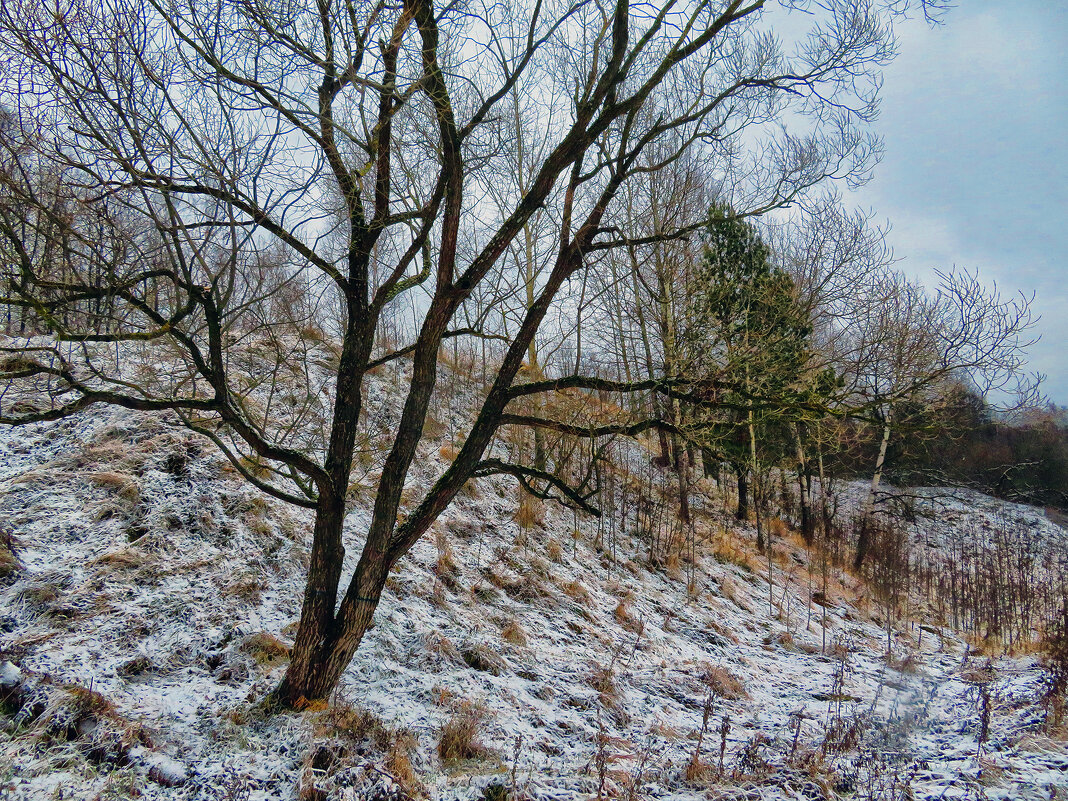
{"x":155,"y":594}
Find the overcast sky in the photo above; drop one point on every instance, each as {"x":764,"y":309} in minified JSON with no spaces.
{"x":975,"y":120}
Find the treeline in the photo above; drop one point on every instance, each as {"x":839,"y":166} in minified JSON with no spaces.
{"x":1021,"y":457}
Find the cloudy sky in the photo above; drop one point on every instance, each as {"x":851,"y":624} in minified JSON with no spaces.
{"x":975,"y":122}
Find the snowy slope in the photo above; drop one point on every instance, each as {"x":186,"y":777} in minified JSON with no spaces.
{"x":589,"y":674}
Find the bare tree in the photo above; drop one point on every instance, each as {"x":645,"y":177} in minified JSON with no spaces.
{"x":912,"y":347}
{"x":358,"y":142}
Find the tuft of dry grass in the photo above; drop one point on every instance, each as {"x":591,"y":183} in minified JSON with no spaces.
{"x":448,"y":452}
{"x":728,"y":548}
{"x":266,"y":649}
{"x":602,"y":680}
{"x":578,"y":593}
{"x":624,"y":617}
{"x":440,"y":647}
{"x":459,"y":737}
{"x":697,"y":770}
{"x":124,"y":485}
{"x":353,"y":723}
{"x":398,"y":763}
{"x":724,"y":683}
{"x":247,"y":589}
{"x":512,"y":632}
{"x":531,"y":511}
{"x":908,"y":662}
{"x":480,"y":656}
{"x":9,"y":562}
{"x":445,"y":567}
{"x":554,"y":551}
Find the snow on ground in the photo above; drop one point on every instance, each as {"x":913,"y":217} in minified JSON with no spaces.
{"x":155,"y":578}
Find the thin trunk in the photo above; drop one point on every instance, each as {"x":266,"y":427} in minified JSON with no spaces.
{"x":742,"y":474}
{"x":864,"y":535}
{"x":756,"y":482}
{"x":708,"y":462}
{"x":804,"y":486}
{"x":665,"y":448}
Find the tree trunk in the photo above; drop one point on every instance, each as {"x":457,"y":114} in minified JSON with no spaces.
{"x":864,"y":535}
{"x":804,"y":486}
{"x":682,"y":455}
{"x":708,"y":463}
{"x":743,"y":492}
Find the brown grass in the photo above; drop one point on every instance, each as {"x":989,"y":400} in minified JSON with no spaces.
{"x":724,"y":683}
{"x":459,"y":737}
{"x":124,"y":485}
{"x":729,"y":548}
{"x":440,"y":646}
{"x":445,"y":567}
{"x":9,"y":562}
{"x":602,"y":680}
{"x":554,"y":550}
{"x":353,"y":723}
{"x":398,"y":764}
{"x":578,"y":593}
{"x":531,"y":511}
{"x":513,"y":633}
{"x":266,"y":649}
{"x":624,"y":618}
{"x":246,"y":589}
{"x":480,"y":656}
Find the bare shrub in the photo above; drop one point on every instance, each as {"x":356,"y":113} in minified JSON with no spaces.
{"x":1055,"y":698}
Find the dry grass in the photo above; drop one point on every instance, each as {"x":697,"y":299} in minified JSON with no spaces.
{"x":480,"y":656}
{"x":906,"y":663}
{"x":531,"y":511}
{"x":554,"y":550}
{"x":124,"y":485}
{"x":266,"y":649}
{"x":578,"y":593}
{"x":398,"y":763}
{"x":602,"y":680}
{"x":724,"y":683}
{"x":728,"y":548}
{"x":448,"y":452}
{"x":440,"y":647}
{"x":9,"y":562}
{"x":459,"y":737}
{"x":353,"y":723}
{"x":445,"y":567}
{"x":513,"y":633}
{"x":247,"y":589}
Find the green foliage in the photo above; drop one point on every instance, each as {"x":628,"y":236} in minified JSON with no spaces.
{"x":747,"y":340}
